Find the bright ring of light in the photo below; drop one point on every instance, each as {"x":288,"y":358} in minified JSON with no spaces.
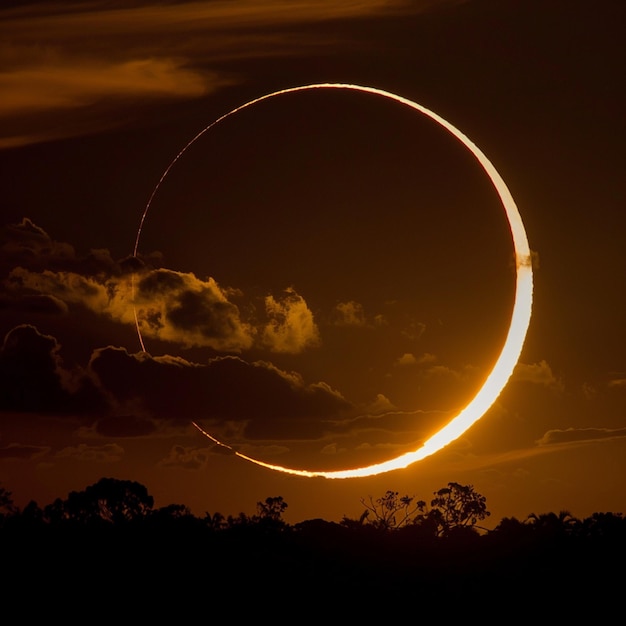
{"x":520,"y":317}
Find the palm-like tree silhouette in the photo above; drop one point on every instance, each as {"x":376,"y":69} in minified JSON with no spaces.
{"x":551,"y":525}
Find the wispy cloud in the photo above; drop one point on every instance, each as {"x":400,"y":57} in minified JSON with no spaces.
{"x":576,"y":435}
{"x":91,"y":58}
{"x":618,"y":381}
{"x":107,"y":453}
{"x":20,"y":452}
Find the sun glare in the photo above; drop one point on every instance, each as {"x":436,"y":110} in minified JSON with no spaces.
{"x":520,"y":318}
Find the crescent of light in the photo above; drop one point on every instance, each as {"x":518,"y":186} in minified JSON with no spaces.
{"x":520,"y":317}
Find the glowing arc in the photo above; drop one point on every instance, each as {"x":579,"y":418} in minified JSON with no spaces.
{"x":520,"y":317}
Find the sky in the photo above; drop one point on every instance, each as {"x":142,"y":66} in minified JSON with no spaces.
{"x":325,"y":278}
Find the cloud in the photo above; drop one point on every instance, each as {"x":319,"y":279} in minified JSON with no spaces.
{"x":263,"y":451}
{"x":407,"y":359}
{"x":571,"y":435}
{"x":168,"y":305}
{"x":63,"y":84}
{"x":380,"y":404}
{"x":27,"y":245}
{"x":538,"y":374}
{"x":291,"y":327}
{"x":93,"y":58}
{"x":34,"y":303}
{"x":107,"y":453}
{"x":270,"y":401}
{"x":176,"y":307}
{"x":617,"y":381}
{"x":125,"y":426}
{"x":349,"y":313}
{"x":179,"y":307}
{"x":31,"y":377}
{"x":442,"y":371}
{"x":186,"y":458}
{"x":332,"y":449}
{"x":22,"y":452}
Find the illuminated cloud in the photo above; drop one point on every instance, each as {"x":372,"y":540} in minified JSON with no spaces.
{"x":618,"y":381}
{"x":332,"y":449}
{"x":171,"y":306}
{"x":108,"y":453}
{"x":407,"y":359}
{"x":571,"y":435}
{"x":179,"y":307}
{"x":538,"y":374}
{"x":63,"y":84}
{"x":381,"y":404}
{"x":93,"y":58}
{"x":442,"y":371}
{"x":291,"y":327}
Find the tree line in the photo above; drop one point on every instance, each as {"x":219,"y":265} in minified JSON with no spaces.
{"x":455,"y":511}
{"x":111,"y":537}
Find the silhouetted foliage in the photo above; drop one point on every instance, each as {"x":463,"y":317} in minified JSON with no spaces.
{"x":603,"y":526}
{"x":215,"y":521}
{"x":457,"y":506}
{"x":6,"y":502}
{"x":390,"y":511}
{"x":271,"y":509}
{"x":7,"y":508}
{"x":552,"y":525}
{"x":454,"y":507}
{"x":109,"y":500}
{"x":399,"y":546}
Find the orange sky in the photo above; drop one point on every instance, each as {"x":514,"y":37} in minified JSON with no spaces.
{"x":324,"y":278}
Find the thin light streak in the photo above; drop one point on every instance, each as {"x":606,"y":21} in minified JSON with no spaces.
{"x":520,"y":317}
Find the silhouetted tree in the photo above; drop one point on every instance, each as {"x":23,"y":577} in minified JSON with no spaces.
{"x":7,"y":508}
{"x":552,"y":525}
{"x":171,"y":512}
{"x":108,"y":500}
{"x":215,"y":521}
{"x":237,"y":521}
{"x":271,"y":509}
{"x":604,"y":525}
{"x":6,"y":502}
{"x":457,"y":506}
{"x":454,"y":507}
{"x":391,"y":511}
{"x":31,"y":515}
{"x":512,"y":528}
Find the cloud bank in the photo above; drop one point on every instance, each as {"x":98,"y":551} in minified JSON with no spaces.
{"x":91,"y":58}
{"x":167,"y":305}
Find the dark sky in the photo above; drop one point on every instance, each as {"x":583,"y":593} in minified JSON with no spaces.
{"x":324,"y":278}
